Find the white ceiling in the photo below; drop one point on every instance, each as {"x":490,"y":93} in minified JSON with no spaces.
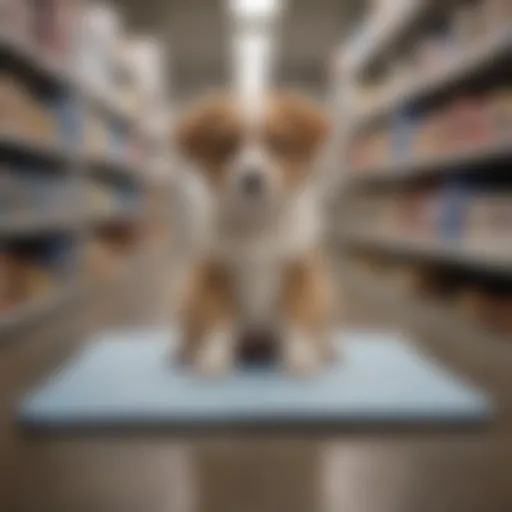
{"x":197,"y":33}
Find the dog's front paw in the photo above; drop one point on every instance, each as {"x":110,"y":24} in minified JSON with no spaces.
{"x":215,"y":357}
{"x":301,"y":357}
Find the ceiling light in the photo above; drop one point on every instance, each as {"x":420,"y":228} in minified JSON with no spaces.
{"x":252,"y":61}
{"x":248,"y":9}
{"x":252,"y":45}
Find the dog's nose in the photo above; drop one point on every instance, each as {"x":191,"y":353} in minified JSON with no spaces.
{"x":252,"y":183}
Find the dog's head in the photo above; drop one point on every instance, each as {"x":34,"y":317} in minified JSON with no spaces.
{"x":254,"y":161}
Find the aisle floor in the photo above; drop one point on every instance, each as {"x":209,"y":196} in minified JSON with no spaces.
{"x":351,"y":472}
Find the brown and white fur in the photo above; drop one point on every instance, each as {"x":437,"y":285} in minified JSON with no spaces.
{"x":261,"y":264}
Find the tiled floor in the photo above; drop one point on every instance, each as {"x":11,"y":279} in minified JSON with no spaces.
{"x":387,"y":472}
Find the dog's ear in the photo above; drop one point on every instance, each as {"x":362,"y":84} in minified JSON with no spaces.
{"x":209,"y":131}
{"x":305,"y":121}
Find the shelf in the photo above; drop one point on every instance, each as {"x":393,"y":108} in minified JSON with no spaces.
{"x":422,"y":313}
{"x":115,"y":167}
{"x":49,"y":70}
{"x":37,"y":309}
{"x":435,"y":166}
{"x":39,"y":149}
{"x":37,"y":62}
{"x":115,"y":217}
{"x":34,"y":224}
{"x":109,"y":105}
{"x":53,"y":79}
{"x":459,"y":71}
{"x":132,"y":266}
{"x":456,"y":253}
{"x":389,"y":34}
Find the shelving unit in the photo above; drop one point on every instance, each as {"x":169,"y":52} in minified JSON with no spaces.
{"x":110,"y":106}
{"x":38,"y":309}
{"x":115,"y":216}
{"x":379,"y":36}
{"x":70,"y":159}
{"x":421,"y":204}
{"x":473,"y":255}
{"x":420,"y":313}
{"x":40,"y":64}
{"x":23,"y":145}
{"x":470,"y":64}
{"x":472,"y":158}
{"x":115,"y":168}
{"x":31,"y":224}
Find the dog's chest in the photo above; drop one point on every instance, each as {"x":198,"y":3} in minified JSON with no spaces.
{"x":257,"y":261}
{"x":257,"y":284}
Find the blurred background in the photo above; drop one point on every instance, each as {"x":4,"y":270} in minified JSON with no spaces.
{"x":419,"y":216}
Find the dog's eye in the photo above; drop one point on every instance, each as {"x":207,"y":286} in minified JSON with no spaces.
{"x":281,"y":145}
{"x":223,"y":147}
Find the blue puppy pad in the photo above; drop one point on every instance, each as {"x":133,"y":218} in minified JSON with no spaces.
{"x":126,"y":379}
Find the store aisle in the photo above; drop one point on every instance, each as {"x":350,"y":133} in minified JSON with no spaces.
{"x":420,"y":224}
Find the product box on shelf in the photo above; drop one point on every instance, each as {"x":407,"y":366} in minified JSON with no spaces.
{"x":59,"y":255}
{"x":127,"y":84}
{"x":501,"y":314}
{"x":500,"y":106}
{"x":23,"y":279}
{"x":497,"y":15}
{"x":469,"y":23}
{"x":47,"y":26}
{"x":25,"y":112}
{"x":470,"y":123}
{"x":5,"y":302}
{"x":13,"y":197}
{"x":403,"y":129}
{"x":100,"y":34}
{"x":436,"y":53}
{"x":66,"y":112}
{"x":31,"y":191}
{"x":16,"y":19}
{"x":491,"y":309}
{"x":455,"y":197}
{"x":489,"y":224}
{"x":95,"y":135}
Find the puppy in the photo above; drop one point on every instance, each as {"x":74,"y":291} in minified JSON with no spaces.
{"x":261,"y":266}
